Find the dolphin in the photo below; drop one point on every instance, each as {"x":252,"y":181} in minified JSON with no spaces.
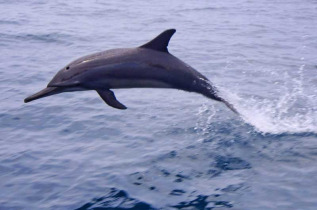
{"x":146,"y":66}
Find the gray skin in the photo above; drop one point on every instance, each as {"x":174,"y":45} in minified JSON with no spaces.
{"x":147,"y":66}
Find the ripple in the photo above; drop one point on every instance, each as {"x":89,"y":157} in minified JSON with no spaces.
{"x":231,"y":163}
{"x":55,"y":37}
{"x":204,"y":202}
{"x":116,"y":199}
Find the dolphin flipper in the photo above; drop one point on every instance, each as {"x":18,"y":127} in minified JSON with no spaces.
{"x":110,"y":99}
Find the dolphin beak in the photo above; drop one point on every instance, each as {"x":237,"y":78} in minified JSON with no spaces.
{"x":43,"y":93}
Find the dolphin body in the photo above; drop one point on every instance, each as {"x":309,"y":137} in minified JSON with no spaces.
{"x":147,"y":66}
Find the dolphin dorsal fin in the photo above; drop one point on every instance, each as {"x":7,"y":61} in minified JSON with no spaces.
{"x":160,"y":42}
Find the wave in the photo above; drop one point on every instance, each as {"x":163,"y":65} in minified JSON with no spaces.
{"x":47,"y":38}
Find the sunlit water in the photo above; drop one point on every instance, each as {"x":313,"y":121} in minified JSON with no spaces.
{"x":170,"y":149}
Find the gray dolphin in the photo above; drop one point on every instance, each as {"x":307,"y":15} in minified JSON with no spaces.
{"x":147,"y":66}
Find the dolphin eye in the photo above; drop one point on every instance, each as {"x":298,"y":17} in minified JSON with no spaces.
{"x":67,"y":67}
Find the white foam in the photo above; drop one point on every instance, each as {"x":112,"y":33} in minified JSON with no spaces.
{"x":290,"y":112}
{"x":206,"y":114}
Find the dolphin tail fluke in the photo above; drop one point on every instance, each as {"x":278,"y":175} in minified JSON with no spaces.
{"x":43,"y":93}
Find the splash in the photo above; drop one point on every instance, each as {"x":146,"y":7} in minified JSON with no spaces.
{"x":276,"y":117}
{"x":206,"y":114}
{"x":292,"y":110}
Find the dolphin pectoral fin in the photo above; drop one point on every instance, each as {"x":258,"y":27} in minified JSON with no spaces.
{"x":110,"y":99}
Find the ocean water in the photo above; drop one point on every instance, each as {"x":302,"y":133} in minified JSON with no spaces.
{"x":170,"y":149}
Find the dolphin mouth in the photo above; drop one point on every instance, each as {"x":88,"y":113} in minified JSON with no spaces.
{"x":64,"y":84}
{"x":43,"y":93}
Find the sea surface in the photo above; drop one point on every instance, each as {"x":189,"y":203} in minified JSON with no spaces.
{"x":170,"y":149}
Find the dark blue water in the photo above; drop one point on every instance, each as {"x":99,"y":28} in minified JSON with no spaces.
{"x":170,"y":149}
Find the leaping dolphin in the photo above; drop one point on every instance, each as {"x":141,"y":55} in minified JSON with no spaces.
{"x":147,"y":66}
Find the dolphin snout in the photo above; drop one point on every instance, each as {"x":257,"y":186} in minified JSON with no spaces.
{"x":43,"y":93}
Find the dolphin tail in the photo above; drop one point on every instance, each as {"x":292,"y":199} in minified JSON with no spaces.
{"x":212,"y":94}
{"x":230,"y":106}
{"x":43,"y":93}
